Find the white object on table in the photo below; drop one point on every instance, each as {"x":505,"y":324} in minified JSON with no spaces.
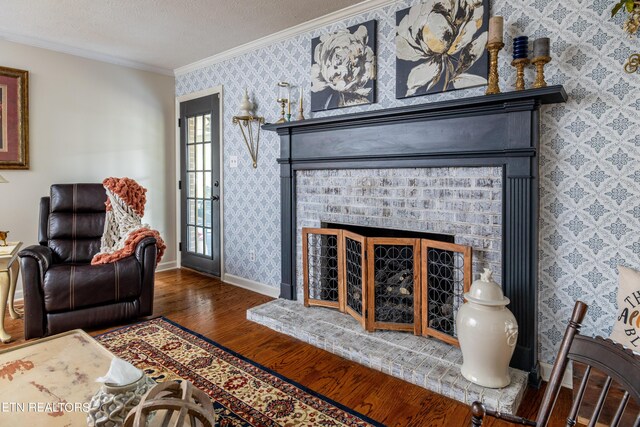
{"x":9,"y":269}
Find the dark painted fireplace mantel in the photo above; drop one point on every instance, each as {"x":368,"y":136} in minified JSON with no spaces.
{"x":495,"y":130}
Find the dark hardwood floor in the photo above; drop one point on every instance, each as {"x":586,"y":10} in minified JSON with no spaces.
{"x":218,"y":311}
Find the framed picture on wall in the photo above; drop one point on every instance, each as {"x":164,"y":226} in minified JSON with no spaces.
{"x":441,"y":47}
{"x":343,"y":67}
{"x":14,"y":118}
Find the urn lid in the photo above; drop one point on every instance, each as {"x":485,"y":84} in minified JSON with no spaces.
{"x":246,"y":106}
{"x":486,"y":291}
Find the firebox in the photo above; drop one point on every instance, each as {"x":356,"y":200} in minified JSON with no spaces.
{"x":387,"y":279}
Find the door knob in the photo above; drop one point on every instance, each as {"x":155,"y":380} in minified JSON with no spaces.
{"x":216,"y":184}
{"x":214,"y":198}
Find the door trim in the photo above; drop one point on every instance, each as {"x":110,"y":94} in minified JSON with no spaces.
{"x":183,"y":98}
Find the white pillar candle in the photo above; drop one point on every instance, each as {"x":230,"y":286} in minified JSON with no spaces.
{"x":496,"y":29}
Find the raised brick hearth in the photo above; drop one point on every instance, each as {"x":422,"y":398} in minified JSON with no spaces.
{"x":426,"y":362}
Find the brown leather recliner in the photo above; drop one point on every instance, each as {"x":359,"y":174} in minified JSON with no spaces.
{"x":62,"y":290}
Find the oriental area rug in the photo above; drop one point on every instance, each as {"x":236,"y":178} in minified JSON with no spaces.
{"x":243,"y":392}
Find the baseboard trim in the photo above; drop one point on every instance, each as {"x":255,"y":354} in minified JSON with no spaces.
{"x":251,"y":285}
{"x":169,"y":265}
{"x":567,"y":379}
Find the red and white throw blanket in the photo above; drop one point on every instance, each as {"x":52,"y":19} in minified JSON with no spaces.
{"x":123,"y":227}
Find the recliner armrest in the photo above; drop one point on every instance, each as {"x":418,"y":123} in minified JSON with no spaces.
{"x":34,"y":262}
{"x":142,"y":246}
{"x":146,"y":252}
{"x":42,"y":254}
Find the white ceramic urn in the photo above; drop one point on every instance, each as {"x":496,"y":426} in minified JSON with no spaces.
{"x":487,"y":332}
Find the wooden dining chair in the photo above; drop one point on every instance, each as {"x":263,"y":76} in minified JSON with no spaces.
{"x":618,"y":364}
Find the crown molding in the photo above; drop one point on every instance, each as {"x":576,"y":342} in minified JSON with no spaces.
{"x":311,"y":25}
{"x":83,"y":53}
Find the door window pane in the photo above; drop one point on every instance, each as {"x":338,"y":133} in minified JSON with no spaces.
{"x":199,"y":213}
{"x":200,"y":240}
{"x":191,"y":184}
{"x":199,"y":157}
{"x":191,"y":130}
{"x":207,"y":241}
{"x":207,"y":185}
{"x":198,"y":128}
{"x":207,"y":213}
{"x":192,"y":238}
{"x":191,"y":157}
{"x":207,"y":127}
{"x":207,"y":156}
{"x":191,"y":216}
{"x":199,"y":184}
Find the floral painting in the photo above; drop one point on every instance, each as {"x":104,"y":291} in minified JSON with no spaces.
{"x":441,"y":46}
{"x":343,"y":67}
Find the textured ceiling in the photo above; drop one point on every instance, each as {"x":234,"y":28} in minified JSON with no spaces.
{"x":162,"y":34}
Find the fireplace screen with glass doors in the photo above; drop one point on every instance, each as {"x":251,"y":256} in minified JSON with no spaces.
{"x":388,"y":283}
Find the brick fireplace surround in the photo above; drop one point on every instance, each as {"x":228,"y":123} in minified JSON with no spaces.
{"x":462,"y":202}
{"x":410,"y":168}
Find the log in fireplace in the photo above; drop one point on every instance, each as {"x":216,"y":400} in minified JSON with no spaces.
{"x":496,"y":130}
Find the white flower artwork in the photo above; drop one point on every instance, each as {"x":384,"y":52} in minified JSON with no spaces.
{"x":343,"y":67}
{"x":441,"y":46}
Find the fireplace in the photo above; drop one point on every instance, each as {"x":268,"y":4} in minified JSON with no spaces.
{"x":498,"y":131}
{"x":387,"y":279}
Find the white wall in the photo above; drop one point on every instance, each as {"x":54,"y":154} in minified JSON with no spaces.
{"x":90,"y":120}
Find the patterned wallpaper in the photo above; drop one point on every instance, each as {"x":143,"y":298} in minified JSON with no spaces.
{"x":590,"y":149}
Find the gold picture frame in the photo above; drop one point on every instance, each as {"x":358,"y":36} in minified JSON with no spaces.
{"x":14,"y":118}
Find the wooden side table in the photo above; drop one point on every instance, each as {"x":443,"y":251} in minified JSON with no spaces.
{"x":9,"y":269}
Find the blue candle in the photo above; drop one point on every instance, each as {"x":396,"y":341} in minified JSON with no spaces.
{"x":520,"y":47}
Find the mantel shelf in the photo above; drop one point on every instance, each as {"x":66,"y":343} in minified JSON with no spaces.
{"x":542,"y":96}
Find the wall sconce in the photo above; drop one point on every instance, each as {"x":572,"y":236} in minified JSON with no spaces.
{"x":248,"y":122}
{"x":284,"y":98}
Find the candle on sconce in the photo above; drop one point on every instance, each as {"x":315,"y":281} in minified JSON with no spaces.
{"x":541,"y":47}
{"x":300,"y":107}
{"x":496,"y":29}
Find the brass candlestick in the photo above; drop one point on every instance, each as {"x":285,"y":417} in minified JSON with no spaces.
{"x":493,"y":85}
{"x":520,"y":63}
{"x":539,"y":62}
{"x":282,"y":103}
{"x":284,"y":98}
{"x":300,"y":110}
